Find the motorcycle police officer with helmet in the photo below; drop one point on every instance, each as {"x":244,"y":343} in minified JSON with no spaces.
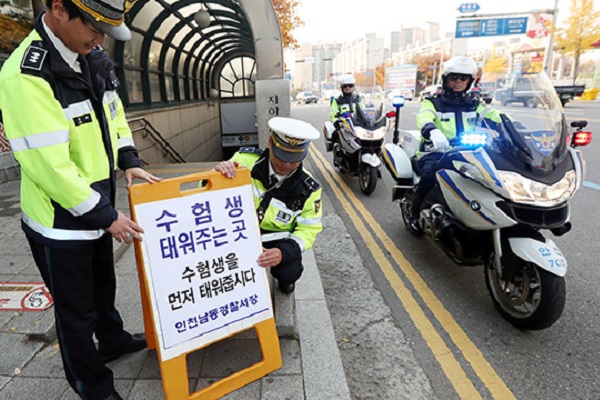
{"x":348,"y":101}
{"x":286,"y":196}
{"x":443,"y":116}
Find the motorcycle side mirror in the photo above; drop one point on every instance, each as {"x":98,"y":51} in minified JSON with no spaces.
{"x":391,"y":114}
{"x":579,"y":124}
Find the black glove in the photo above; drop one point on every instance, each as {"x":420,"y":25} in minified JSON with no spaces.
{"x":426,"y":130}
{"x":337,"y":124}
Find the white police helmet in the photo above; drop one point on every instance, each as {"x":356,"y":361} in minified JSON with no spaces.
{"x":290,"y":138}
{"x":460,"y":65}
{"x":347,"y":80}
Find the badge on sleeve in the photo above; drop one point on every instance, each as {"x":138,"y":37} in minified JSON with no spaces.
{"x":34,"y":58}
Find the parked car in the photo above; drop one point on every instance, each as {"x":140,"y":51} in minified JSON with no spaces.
{"x":429,"y":90}
{"x":306,"y":98}
{"x":406,"y":93}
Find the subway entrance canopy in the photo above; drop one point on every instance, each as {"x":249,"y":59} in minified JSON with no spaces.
{"x":171,"y":59}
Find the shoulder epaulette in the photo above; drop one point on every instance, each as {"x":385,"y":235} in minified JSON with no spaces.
{"x":311,"y":183}
{"x":253,"y":150}
{"x":34,"y":56}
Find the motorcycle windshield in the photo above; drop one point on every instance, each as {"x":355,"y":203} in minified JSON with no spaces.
{"x":535,"y":132}
{"x":370,"y":118}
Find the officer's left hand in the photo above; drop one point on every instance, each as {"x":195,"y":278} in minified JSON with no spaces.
{"x":139,"y":173}
{"x":269,"y":258}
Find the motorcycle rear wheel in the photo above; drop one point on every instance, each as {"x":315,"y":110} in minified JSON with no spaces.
{"x":533,"y":300}
{"x":367,"y":179}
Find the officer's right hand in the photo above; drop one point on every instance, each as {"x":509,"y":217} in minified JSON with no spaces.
{"x":123,"y":227}
{"x":439,"y":140}
{"x":227,"y":168}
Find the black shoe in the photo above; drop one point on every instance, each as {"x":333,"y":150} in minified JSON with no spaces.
{"x":137,"y":343}
{"x":113,"y":396}
{"x":414,"y":226}
{"x":287,"y":288}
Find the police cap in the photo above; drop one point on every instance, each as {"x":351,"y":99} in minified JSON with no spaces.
{"x":290,"y":138}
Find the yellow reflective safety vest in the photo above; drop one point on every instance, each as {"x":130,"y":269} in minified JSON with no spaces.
{"x":342,"y":105}
{"x":289,"y":210}
{"x":454,"y":116}
{"x":68,"y":135}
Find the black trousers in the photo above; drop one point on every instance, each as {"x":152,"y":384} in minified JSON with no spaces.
{"x":81,"y":278}
{"x":288,"y":271}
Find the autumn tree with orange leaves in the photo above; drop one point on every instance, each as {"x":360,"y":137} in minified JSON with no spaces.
{"x":288,"y":21}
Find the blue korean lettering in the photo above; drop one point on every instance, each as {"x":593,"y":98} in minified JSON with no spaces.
{"x":217,"y":234}
{"x":180,"y":326}
{"x":202,"y":213}
{"x":186,"y":242}
{"x":224,"y":310}
{"x":239,"y":226}
{"x":544,"y":251}
{"x":203,"y":237}
{"x":168,"y":247}
{"x":165,"y":214}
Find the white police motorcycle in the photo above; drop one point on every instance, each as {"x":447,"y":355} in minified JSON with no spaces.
{"x":358,"y":149}
{"x":507,"y":184}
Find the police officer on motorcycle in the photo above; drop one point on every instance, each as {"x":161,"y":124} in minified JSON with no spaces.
{"x":348,"y":101}
{"x":441,"y":118}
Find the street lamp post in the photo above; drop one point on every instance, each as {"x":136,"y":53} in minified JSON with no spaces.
{"x":550,"y":47}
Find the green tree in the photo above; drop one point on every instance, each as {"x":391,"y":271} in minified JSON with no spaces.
{"x":288,"y":21}
{"x":580,"y":31}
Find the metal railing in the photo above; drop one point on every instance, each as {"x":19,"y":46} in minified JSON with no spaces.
{"x":149,"y":130}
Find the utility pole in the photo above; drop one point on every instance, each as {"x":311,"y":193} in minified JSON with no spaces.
{"x":550,"y":47}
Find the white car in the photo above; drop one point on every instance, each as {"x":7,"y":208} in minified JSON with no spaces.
{"x":429,"y":90}
{"x":306,"y":98}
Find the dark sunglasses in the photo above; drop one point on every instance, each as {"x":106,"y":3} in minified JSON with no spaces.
{"x":347,"y":86}
{"x":455,"y":77}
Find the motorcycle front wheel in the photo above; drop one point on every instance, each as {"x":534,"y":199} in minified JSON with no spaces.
{"x":533,"y":299}
{"x":367,"y":179}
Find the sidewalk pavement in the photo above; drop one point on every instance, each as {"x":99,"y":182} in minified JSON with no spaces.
{"x":31,"y":367}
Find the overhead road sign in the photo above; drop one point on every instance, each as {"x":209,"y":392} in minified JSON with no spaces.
{"x":466,"y":28}
{"x":468,"y":8}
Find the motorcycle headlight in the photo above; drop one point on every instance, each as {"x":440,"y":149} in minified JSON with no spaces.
{"x":523,"y":190}
{"x":362,"y":133}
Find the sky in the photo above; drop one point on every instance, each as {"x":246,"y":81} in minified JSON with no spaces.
{"x":328,"y":21}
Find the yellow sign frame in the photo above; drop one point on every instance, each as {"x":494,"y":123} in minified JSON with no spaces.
{"x":174,"y":371}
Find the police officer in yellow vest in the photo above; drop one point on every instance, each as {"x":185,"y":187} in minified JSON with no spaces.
{"x":443,"y":116}
{"x":65,"y":122}
{"x":348,"y":101}
{"x":287,"y":197}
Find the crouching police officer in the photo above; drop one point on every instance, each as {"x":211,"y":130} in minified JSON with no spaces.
{"x":286,"y":196}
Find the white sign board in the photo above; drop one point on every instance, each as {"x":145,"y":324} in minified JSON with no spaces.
{"x":401,"y":77}
{"x":199,"y":257}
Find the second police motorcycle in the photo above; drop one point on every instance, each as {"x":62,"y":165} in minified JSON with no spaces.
{"x":357,"y":151}
{"x":508,"y":187}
